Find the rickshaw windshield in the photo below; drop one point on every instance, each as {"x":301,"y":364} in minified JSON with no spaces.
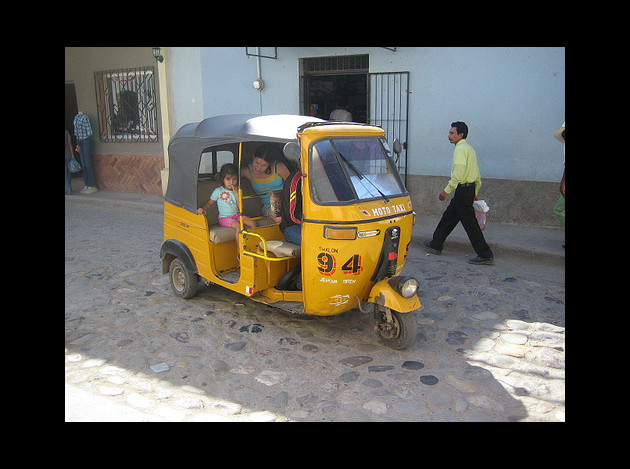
{"x":350,"y":169}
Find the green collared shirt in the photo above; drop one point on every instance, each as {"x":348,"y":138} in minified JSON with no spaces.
{"x":464,"y":168}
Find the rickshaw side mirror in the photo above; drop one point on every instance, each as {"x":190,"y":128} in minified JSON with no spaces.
{"x":292,"y":151}
{"x":397,"y":149}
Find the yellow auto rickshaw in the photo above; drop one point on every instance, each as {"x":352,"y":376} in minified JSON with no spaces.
{"x":356,"y":221}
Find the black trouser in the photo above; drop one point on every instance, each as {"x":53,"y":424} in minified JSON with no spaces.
{"x":461,"y":209}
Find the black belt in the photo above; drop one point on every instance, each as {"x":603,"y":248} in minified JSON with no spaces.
{"x":467,"y":184}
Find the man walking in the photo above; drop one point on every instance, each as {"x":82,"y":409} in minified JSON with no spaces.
{"x":466,"y":181}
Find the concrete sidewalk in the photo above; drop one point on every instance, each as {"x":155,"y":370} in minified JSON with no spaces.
{"x":543,"y":244}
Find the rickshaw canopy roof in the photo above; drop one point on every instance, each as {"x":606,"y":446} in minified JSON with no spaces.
{"x":188,"y":143}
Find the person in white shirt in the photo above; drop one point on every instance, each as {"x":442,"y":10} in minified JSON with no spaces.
{"x":341,"y":114}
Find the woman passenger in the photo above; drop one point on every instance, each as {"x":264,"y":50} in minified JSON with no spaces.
{"x":266,"y":176}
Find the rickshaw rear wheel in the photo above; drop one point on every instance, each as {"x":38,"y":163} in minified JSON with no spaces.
{"x":183,"y":282}
{"x":396,"y":330}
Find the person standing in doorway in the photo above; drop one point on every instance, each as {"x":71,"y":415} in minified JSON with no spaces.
{"x":466,"y":182}
{"x":83,"y":133}
{"x":340,"y":113}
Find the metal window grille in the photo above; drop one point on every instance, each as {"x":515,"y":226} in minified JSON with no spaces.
{"x":337,"y":64}
{"x":127,"y":105}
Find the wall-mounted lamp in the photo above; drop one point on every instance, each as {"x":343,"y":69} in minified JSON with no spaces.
{"x":156,"y":53}
{"x":258,"y":84}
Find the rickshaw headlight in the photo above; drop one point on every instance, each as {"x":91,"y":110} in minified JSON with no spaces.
{"x":405,"y":285}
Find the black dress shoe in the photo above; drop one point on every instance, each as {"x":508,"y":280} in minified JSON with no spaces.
{"x":481,"y":260}
{"x":428,"y":247}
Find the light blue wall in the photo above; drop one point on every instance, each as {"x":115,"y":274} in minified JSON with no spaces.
{"x":228,"y":73}
{"x":511,"y":98}
{"x":186,"y":89}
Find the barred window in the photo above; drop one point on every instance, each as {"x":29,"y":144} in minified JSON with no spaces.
{"x":127,"y":105}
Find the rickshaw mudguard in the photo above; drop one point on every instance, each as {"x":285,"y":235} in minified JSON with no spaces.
{"x":176,"y":249}
{"x":383,"y":294}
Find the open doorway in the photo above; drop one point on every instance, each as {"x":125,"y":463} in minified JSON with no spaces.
{"x":329,"y":82}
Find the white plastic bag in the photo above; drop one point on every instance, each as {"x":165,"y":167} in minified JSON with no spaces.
{"x":74,"y":166}
{"x":481,"y":207}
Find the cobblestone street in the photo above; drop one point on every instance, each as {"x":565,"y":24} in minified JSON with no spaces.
{"x":490,"y":344}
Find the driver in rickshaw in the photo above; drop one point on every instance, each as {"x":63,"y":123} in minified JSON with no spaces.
{"x":291,"y":224}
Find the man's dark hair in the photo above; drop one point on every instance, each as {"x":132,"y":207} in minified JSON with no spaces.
{"x":461,"y":127}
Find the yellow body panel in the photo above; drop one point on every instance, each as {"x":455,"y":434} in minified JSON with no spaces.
{"x":336,"y":272}
{"x":192,"y":230}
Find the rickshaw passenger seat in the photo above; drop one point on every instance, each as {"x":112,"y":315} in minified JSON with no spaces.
{"x":282,"y":248}
{"x":221,"y":234}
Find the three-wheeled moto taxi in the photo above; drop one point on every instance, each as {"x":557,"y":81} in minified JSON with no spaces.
{"x":355,"y":227}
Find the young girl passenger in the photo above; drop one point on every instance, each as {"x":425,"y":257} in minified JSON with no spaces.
{"x":227,"y":202}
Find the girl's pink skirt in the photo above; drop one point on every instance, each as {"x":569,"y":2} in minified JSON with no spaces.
{"x":227,"y":221}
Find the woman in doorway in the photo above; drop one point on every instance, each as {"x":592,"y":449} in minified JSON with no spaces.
{"x":266,"y":175}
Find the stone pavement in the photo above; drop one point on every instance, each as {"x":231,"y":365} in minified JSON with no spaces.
{"x":490,"y":343}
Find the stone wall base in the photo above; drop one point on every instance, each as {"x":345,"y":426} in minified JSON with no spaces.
{"x":129,"y":173}
{"x":517,"y":202}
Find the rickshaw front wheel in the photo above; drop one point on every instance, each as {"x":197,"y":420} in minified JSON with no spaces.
{"x":183,"y":282}
{"x":396,"y":330}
